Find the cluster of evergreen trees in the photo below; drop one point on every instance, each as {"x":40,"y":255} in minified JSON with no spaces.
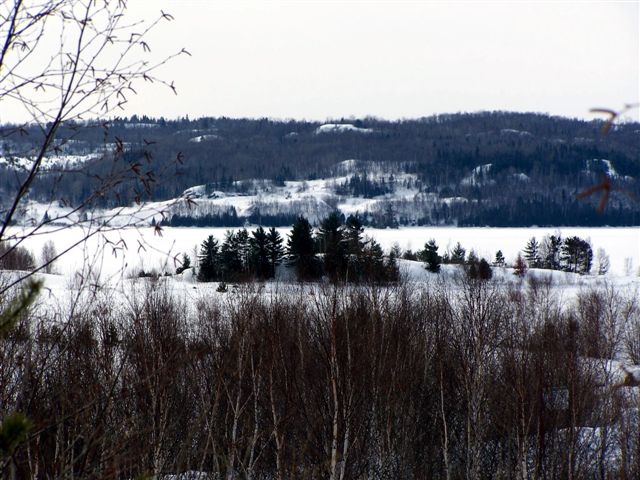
{"x":241,"y":256}
{"x":349,"y":256}
{"x":474,"y":267}
{"x":339,"y":250}
{"x":573,"y":254}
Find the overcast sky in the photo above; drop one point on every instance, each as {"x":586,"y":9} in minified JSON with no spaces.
{"x":394,"y":59}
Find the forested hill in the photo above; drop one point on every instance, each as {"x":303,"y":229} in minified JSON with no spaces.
{"x":493,"y":168}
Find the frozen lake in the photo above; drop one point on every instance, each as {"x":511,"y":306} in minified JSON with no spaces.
{"x":132,"y":249}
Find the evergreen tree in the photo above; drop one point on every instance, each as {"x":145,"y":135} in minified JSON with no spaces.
{"x":185,"y":264}
{"x":532,"y":253}
{"x":275,"y":249}
{"x":373,"y":267}
{"x":230,"y":260}
{"x":499,"y":260}
{"x":301,"y":251}
{"x":242,"y":246}
{"x":550,"y":252}
{"x":395,"y":251}
{"x":472,"y":265}
{"x":576,"y":255}
{"x":391,"y":264}
{"x":457,"y":255}
{"x":208,"y":260}
{"x":260,"y":265}
{"x":430,"y":256}
{"x":354,"y":247}
{"x":520,"y":266}
{"x":484,"y":270}
{"x":409,"y":255}
{"x":331,"y":244}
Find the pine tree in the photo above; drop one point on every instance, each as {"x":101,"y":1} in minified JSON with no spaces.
{"x":259,"y":254}
{"x":550,"y":252}
{"x":484,"y":270}
{"x":430,"y":256}
{"x":472,"y":265}
{"x":354,"y":243}
{"x":499,"y":260}
{"x":185,"y":264}
{"x":392,"y":272}
{"x":457,"y":255}
{"x":230,"y":260}
{"x":242,"y":246}
{"x":409,"y":255}
{"x":576,"y":255}
{"x":301,"y":251}
{"x":373,"y":267}
{"x":275,"y":249}
{"x":532,"y":253}
{"x":331,"y":243}
{"x":208,"y":260}
{"x":520,"y":266}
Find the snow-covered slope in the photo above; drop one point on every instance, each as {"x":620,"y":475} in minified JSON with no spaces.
{"x":341,"y":128}
{"x":313,"y":199}
{"x":48,"y":163}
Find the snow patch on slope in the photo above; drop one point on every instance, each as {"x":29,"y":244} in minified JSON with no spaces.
{"x":204,"y":138}
{"x":520,"y":133}
{"x":48,"y":163}
{"x":477,"y":176}
{"x":603,"y":165}
{"x":340,"y":128}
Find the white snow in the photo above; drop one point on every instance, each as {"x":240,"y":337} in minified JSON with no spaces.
{"x":140,"y":125}
{"x":611,"y":172}
{"x":523,"y":177}
{"x":350,"y":166}
{"x":477,"y":176}
{"x":204,"y":138}
{"x":49,"y":162}
{"x":511,"y":131}
{"x":340,"y":128}
{"x":609,"y":169}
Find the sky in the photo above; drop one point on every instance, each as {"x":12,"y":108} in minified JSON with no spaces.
{"x":328,"y":59}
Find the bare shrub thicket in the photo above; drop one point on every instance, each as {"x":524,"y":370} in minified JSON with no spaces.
{"x":456,"y":381}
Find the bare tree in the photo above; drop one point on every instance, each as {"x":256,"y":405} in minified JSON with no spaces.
{"x":61,"y":64}
{"x":48,"y":256}
{"x":603,"y":261}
